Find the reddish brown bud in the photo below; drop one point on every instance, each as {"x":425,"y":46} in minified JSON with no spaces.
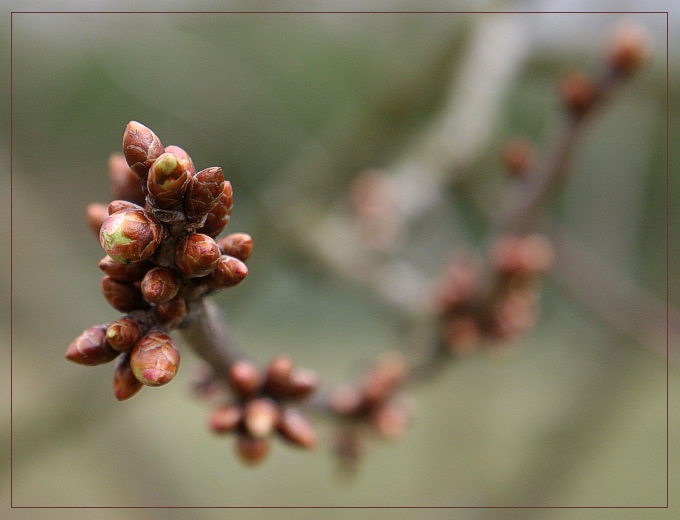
{"x":130,"y":235}
{"x":204,"y":192}
{"x":296,"y":428}
{"x":518,"y":154}
{"x":244,"y":378}
{"x":96,"y":214}
{"x":219,"y":216}
{"x":277,"y":380}
{"x":225,"y":419}
{"x":141,"y":148}
{"x":579,"y":93}
{"x":124,"y":182}
{"x":522,"y":255}
{"x":122,"y":334}
{"x":168,"y":181}
{"x":346,"y":399}
{"x":160,"y":284}
{"x":462,"y":334}
{"x":122,"y":296}
{"x":123,"y":272}
{"x":251,"y":450}
{"x":260,"y":417}
{"x":90,"y":347}
{"x":184,"y":158}
{"x":390,"y":420}
{"x":197,"y":255}
{"x":301,"y":383}
{"x":389,"y":372}
{"x":173,"y":312}
{"x":629,"y":47}
{"x":458,"y":284}
{"x":155,"y":359}
{"x":125,"y":384}
{"x":119,"y":205}
{"x":238,"y":245}
{"x":229,"y":272}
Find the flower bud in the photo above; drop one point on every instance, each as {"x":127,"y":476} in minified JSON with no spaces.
{"x":225,"y":419}
{"x":346,"y":399}
{"x":184,"y":158}
{"x":122,"y":334}
{"x":251,"y":450}
{"x":197,"y":255}
{"x":96,"y":214}
{"x":296,"y":428}
{"x":160,"y":284}
{"x":277,"y":381}
{"x":125,"y":384}
{"x":219,"y":216}
{"x":130,"y":235}
{"x":141,"y":148}
{"x":122,"y":296}
{"x":123,"y":272}
{"x":518,"y":154}
{"x":205,"y":190}
{"x":155,"y":359}
{"x":167,"y":182}
{"x":244,"y":378}
{"x":229,"y":272}
{"x":90,"y":347}
{"x":389,"y":372}
{"x":238,"y":245}
{"x":301,"y":383}
{"x":172,"y":313}
{"x":390,"y":419}
{"x":124,"y":182}
{"x":260,"y":417}
{"x":579,"y":93}
{"x":629,"y":47}
{"x":119,"y":205}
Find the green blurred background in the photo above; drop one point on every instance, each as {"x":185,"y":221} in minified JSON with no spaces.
{"x":293,"y":107}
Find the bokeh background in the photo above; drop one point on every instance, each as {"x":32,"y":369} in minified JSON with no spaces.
{"x":293,"y":107}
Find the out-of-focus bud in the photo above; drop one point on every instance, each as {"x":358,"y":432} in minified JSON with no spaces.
{"x":225,"y":418}
{"x":458,"y":284}
{"x":389,"y":372}
{"x":204,"y":192}
{"x":96,"y":214}
{"x":119,"y":205}
{"x":346,"y":399}
{"x":238,"y":245}
{"x":160,"y":284}
{"x":522,"y":255}
{"x":141,"y":148}
{"x":219,"y":216}
{"x":244,"y":378}
{"x":197,"y":255}
{"x":301,"y":383}
{"x":123,"y":272}
{"x":130,"y":235}
{"x":518,"y":154}
{"x":122,"y":334}
{"x":462,"y":334}
{"x":90,"y":347}
{"x":228,"y":272}
{"x":277,"y":379}
{"x":172,"y":313}
{"x":251,"y":450}
{"x":155,"y":359}
{"x":629,"y":46}
{"x":124,"y":182}
{"x":390,"y":419}
{"x":260,"y":417}
{"x":125,"y":384}
{"x":579,"y":93}
{"x":184,"y":158}
{"x":167,"y":182}
{"x":296,"y":428}
{"x":122,"y":296}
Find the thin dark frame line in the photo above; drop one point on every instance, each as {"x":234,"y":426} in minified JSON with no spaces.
{"x":12,"y":13}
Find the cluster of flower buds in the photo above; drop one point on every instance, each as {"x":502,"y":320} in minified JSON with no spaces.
{"x":472,"y":312}
{"x":627,"y":48}
{"x":263,"y":404}
{"x":373,"y":404}
{"x":159,"y":236}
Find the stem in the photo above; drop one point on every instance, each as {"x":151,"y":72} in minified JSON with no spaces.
{"x":208,"y":336}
